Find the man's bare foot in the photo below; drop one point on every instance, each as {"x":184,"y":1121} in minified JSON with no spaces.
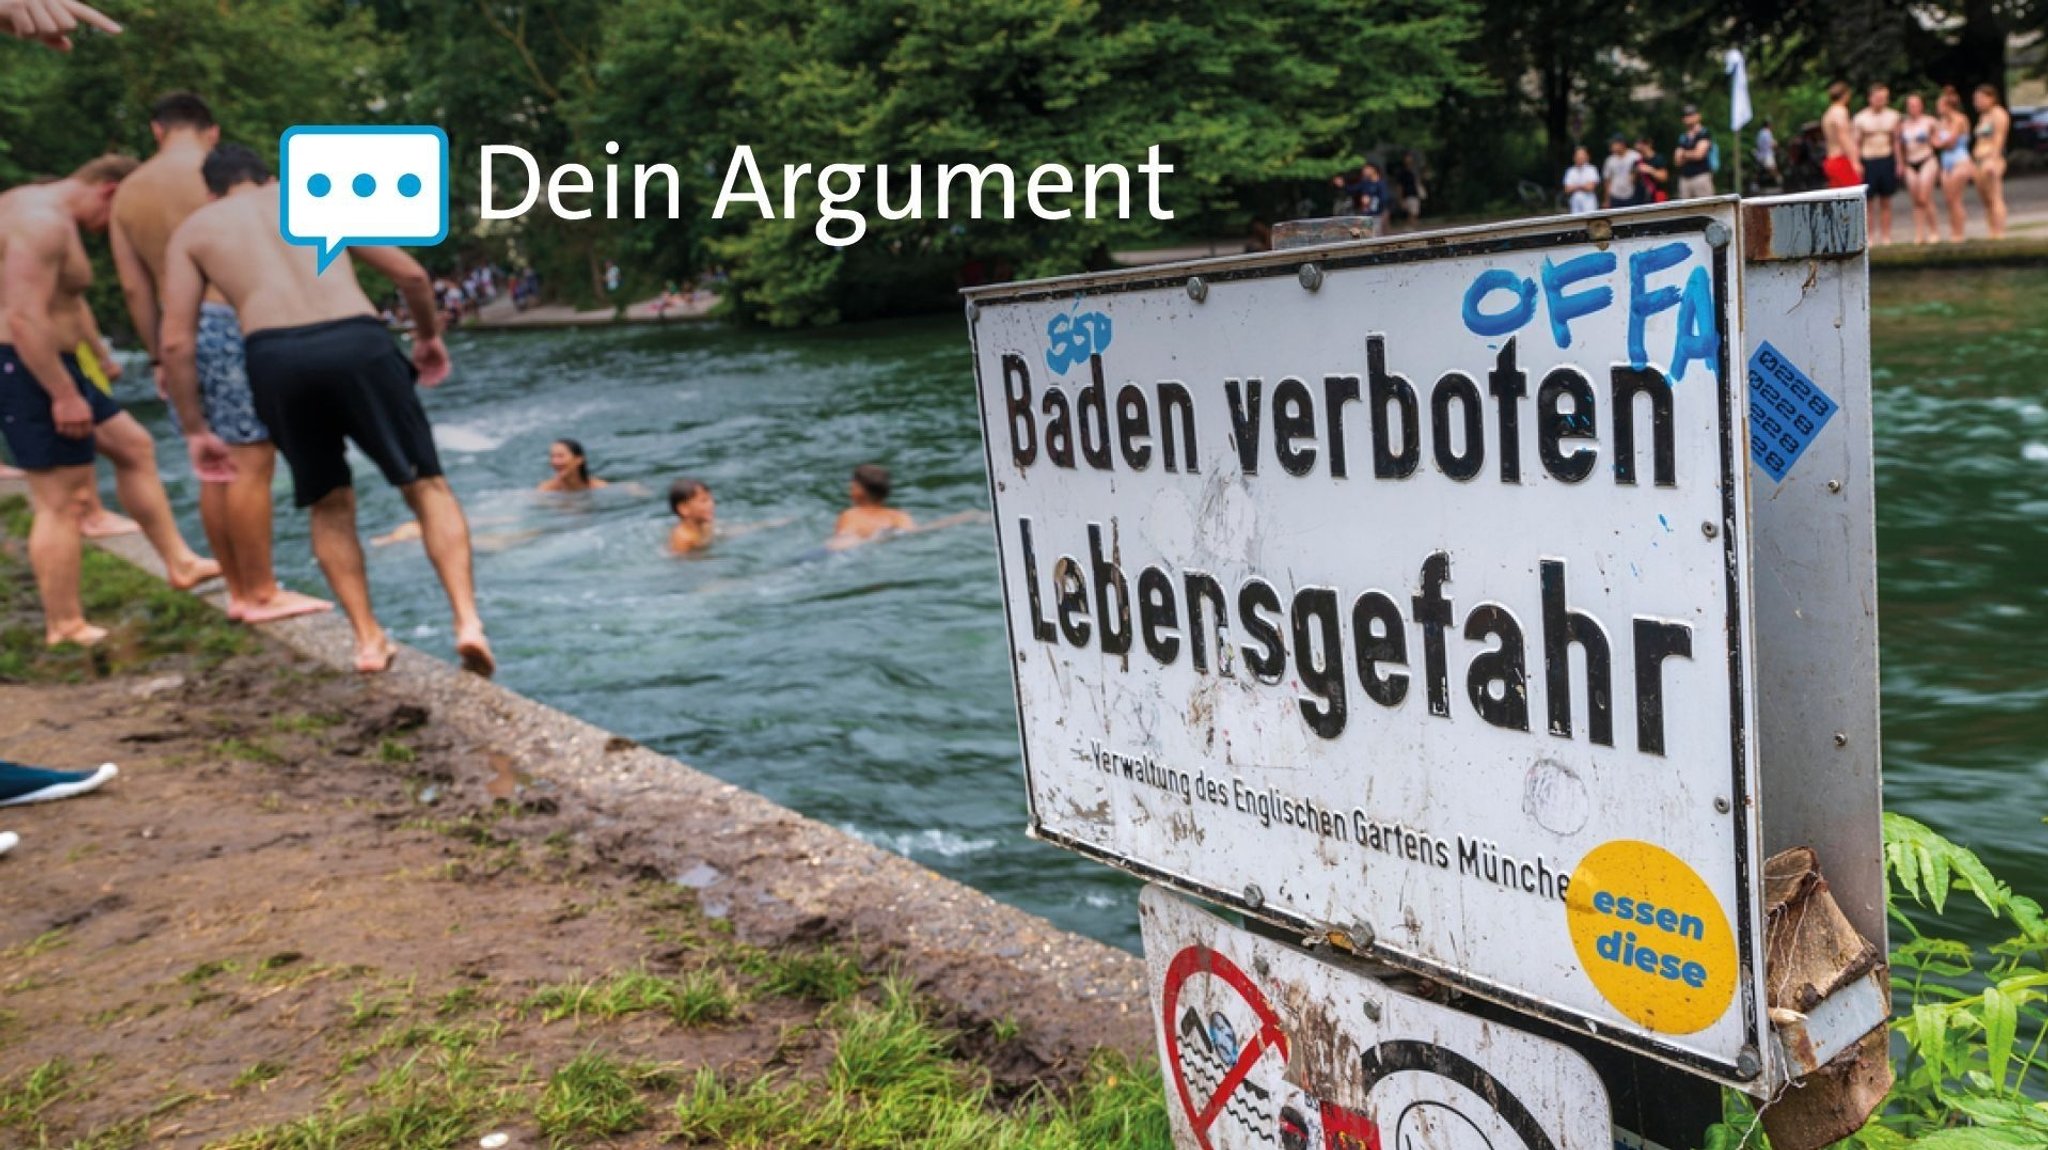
{"x":193,"y":574}
{"x":8,"y":471}
{"x":81,"y":634}
{"x":475,"y":652}
{"x":104,"y":524}
{"x":282,"y":604}
{"x":375,"y":658}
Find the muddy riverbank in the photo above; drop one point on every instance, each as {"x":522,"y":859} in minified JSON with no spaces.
{"x":316,"y":909}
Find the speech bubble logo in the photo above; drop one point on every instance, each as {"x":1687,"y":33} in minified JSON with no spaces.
{"x":342,"y":185}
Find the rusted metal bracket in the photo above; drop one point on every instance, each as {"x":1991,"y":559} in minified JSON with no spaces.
{"x":1801,"y":228}
{"x":1829,"y":992}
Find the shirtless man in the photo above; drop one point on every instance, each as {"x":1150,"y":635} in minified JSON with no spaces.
{"x":149,"y":207}
{"x":52,"y":417}
{"x":1877,"y":149}
{"x":1843,"y":169}
{"x":325,"y":373}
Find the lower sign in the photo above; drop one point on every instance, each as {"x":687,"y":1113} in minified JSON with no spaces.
{"x":1263,"y":1045}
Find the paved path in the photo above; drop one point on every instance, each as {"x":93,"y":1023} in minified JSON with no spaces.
{"x":500,"y":313}
{"x":2026,"y":201}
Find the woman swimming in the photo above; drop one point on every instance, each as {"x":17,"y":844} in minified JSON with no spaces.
{"x":1916,"y":148}
{"x":571,"y":467}
{"x":1994,"y":124}
{"x":1958,"y":171}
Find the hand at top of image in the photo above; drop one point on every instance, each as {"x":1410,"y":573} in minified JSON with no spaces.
{"x":51,"y":21}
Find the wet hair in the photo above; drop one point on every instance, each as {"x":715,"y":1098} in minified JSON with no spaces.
{"x":1838,"y":91}
{"x":232,"y":164}
{"x":111,"y":168}
{"x":582,"y":458}
{"x":873,"y":479}
{"x":682,"y":491}
{"x":181,"y":110}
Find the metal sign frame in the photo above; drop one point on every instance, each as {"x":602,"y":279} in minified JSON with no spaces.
{"x":1706,"y":220}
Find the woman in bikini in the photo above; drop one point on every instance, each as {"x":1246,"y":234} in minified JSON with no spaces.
{"x":1958,"y":171}
{"x":1994,"y":124}
{"x":1916,"y":148}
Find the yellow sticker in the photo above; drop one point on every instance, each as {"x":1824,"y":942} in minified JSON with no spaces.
{"x":1652,"y":936}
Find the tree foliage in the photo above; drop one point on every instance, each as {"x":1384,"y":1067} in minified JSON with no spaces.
{"x":1241,"y":99}
{"x":1255,"y":105}
{"x":264,"y":65}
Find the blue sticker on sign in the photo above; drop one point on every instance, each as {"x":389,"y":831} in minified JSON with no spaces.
{"x":1786,"y":411}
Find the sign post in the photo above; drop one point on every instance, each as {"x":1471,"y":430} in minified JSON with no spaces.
{"x":1400,"y":593}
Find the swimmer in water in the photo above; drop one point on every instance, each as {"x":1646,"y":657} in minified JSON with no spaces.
{"x":870,"y":516}
{"x":572,"y":468}
{"x":696,"y":515}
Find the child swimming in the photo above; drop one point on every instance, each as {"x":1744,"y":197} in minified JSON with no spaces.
{"x":870,"y":515}
{"x":696,"y":515}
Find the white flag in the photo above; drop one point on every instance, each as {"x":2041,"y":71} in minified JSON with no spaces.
{"x":1738,"y":90}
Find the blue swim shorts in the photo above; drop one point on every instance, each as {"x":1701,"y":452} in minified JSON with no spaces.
{"x":224,"y":393}
{"x":25,"y":416}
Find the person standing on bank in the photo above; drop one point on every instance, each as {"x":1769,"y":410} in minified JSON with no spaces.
{"x":1618,"y":172}
{"x":1994,"y":125}
{"x":325,"y":373}
{"x":1958,"y":171}
{"x":1837,"y":127}
{"x":1695,"y":158}
{"x":1923,"y":167}
{"x":1582,"y":184}
{"x":1653,"y":173}
{"x":1877,"y":139}
{"x":149,"y":207}
{"x":1767,"y":157}
{"x":53,"y":418}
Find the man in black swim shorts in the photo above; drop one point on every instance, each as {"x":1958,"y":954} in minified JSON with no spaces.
{"x":1876,"y":129}
{"x":325,"y":373}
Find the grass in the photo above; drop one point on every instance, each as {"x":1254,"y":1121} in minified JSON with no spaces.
{"x":43,"y":943}
{"x":894,"y":1082}
{"x":24,"y":1099}
{"x":248,"y":751}
{"x":702,"y":996}
{"x":823,"y":976}
{"x":304,"y":724}
{"x":259,"y":1074}
{"x":434,"y":1100}
{"x":428,"y":1079}
{"x":595,"y":1097}
{"x":208,"y":970}
{"x":149,"y":621}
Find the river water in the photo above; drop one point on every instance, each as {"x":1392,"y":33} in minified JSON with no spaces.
{"x":869,"y":689}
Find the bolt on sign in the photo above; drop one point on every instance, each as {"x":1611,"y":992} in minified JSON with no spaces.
{"x":1262,"y":1045}
{"x":1403,"y":590}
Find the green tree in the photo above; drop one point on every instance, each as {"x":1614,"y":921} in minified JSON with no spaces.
{"x":263,"y":65}
{"x":501,"y":72}
{"x":1241,"y":100}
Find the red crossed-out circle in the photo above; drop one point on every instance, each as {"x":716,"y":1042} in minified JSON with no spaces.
{"x":1201,"y":960}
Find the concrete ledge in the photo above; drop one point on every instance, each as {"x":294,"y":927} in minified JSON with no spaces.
{"x":780,"y":877}
{"x":2012,"y":252}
